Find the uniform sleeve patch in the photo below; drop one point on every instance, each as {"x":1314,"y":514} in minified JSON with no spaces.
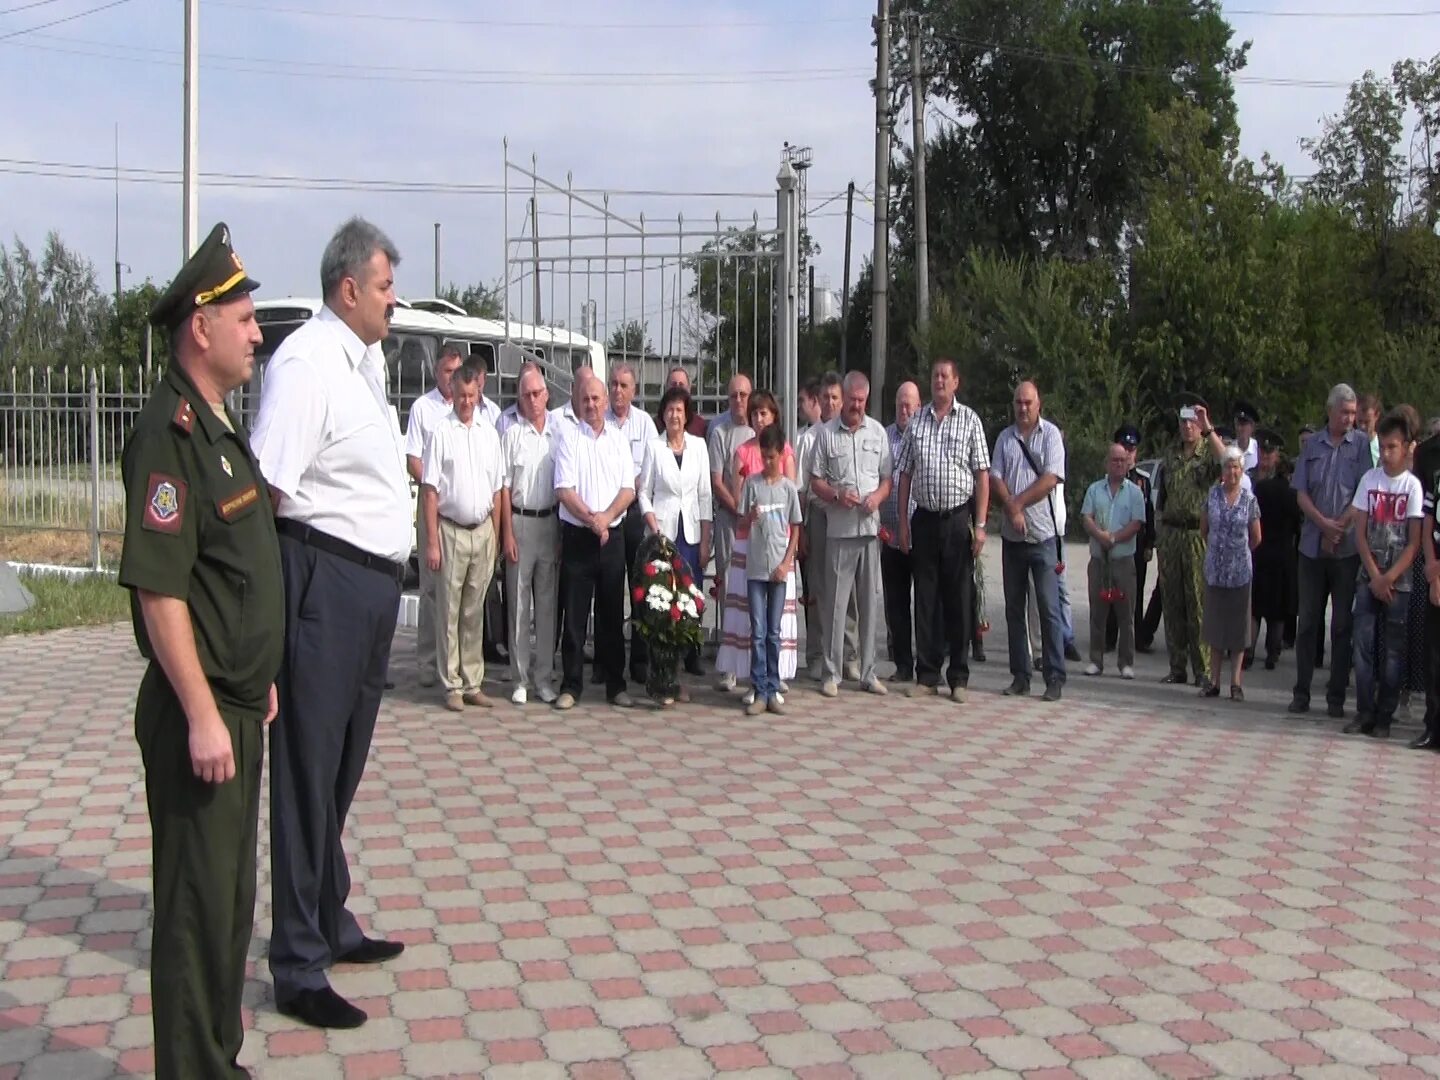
{"x":232,"y":507}
{"x":164,"y":504}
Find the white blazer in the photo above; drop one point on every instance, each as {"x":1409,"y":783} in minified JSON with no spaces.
{"x":674,"y":494}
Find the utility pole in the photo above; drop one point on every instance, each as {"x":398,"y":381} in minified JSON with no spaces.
{"x":922,"y":229}
{"x":190,"y":235}
{"x":535,"y":250}
{"x":437,"y":260}
{"x":117,"y":224}
{"x":845,"y":292}
{"x":880,"y":261}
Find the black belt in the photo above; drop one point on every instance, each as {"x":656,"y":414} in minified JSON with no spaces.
{"x":944,"y":514}
{"x":458,"y":525}
{"x":533,"y":513}
{"x":322,"y":541}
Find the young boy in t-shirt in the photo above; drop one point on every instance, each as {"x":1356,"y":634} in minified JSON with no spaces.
{"x":1387,"y":510}
{"x":770,"y":504}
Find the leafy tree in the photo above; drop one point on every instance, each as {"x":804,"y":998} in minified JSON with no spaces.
{"x":1418,"y":86}
{"x":479,"y":300}
{"x":630,"y":339}
{"x":1358,"y":166}
{"x":52,"y":312}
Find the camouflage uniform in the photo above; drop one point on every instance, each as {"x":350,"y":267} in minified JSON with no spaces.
{"x":1186,"y":478}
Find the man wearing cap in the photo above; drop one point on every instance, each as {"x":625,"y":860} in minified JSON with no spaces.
{"x":329,"y":443}
{"x":1272,"y":588}
{"x":1246,"y":417}
{"x":203,"y":569}
{"x":1186,"y":476}
{"x":1128,"y":436}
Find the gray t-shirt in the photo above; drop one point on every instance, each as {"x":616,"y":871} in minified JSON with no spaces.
{"x":725,"y":437}
{"x":779,"y":508}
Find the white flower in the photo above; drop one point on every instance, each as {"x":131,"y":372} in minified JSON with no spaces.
{"x":662,"y":593}
{"x":659,"y":565}
{"x":696,"y":593}
{"x":657,"y":604}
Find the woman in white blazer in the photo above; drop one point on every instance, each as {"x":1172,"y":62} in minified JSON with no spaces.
{"x":674,"y":489}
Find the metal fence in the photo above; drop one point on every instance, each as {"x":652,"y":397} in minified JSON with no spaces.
{"x":61,"y":435}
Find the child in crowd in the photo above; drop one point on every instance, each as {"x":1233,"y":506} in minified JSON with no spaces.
{"x":770,"y":506}
{"x":1387,"y":511}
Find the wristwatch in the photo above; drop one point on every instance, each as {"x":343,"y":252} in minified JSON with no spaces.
{"x":980,"y":526}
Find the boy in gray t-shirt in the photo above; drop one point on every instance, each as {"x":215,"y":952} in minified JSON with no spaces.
{"x":770,"y":503}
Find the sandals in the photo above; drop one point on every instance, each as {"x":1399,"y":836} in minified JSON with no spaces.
{"x":1236,"y":694}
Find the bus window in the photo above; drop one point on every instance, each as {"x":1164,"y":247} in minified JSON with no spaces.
{"x":485,"y":351}
{"x":410,"y":364}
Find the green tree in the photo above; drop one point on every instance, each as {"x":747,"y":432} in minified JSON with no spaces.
{"x":1358,"y":166}
{"x":630,"y":339}
{"x":52,"y":312}
{"x":1418,"y":84}
{"x":479,"y":300}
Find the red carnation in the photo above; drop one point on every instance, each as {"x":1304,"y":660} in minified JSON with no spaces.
{"x":675,"y":613}
{"x":886,"y":536}
{"x":700,"y":607}
{"x":639,"y":593}
{"x":685,"y":581}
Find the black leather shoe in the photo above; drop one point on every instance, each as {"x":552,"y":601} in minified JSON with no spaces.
{"x":1379,"y":730}
{"x":1299,"y":705}
{"x":1335,"y":710}
{"x":322,"y":1008}
{"x":1072,"y":654}
{"x":1175,"y":678}
{"x":1144,"y":646}
{"x":1270,"y":662}
{"x":1424,"y":741}
{"x":372,"y":951}
{"x":1018,"y":688}
{"x":977,"y":653}
{"x":1052,"y":691}
{"x":1361,"y":725}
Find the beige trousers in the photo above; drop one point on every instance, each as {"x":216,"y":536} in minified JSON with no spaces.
{"x":467,"y":563}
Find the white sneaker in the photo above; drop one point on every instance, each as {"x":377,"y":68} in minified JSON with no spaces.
{"x":726,"y":683}
{"x":1127,"y":673}
{"x":778,"y":699}
{"x":546,"y":695}
{"x":852,"y":671}
{"x":1092,"y":669}
{"x":784,"y":687}
{"x":749,"y":697}
{"x":875,"y":686}
{"x":829,"y":689}
{"x":518,"y":696}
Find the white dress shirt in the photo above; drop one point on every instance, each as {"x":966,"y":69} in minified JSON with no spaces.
{"x":676,"y":493}
{"x":597,"y":466}
{"x":463,"y":464}
{"x":427,"y":411}
{"x":638,"y":428}
{"x":508,"y":419}
{"x":489,"y":411}
{"x":330,"y":444}
{"x":530,"y":464}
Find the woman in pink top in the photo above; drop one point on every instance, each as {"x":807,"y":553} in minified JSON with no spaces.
{"x":734,"y":655}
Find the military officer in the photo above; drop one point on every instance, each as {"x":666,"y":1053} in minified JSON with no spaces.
{"x":1186,"y":475}
{"x":1246,"y":417}
{"x":202,"y":565}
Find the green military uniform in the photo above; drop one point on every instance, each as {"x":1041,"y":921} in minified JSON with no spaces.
{"x":1186,"y":479}
{"x":200,"y":528}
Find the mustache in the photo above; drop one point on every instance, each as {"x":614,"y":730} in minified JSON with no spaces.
{"x":389,"y":312}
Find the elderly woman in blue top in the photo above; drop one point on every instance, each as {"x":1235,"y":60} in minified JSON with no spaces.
{"x":1114,"y":514}
{"x":1230,"y":527}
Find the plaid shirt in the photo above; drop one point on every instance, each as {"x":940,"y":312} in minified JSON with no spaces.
{"x":942,"y":457}
{"x":889,"y":509}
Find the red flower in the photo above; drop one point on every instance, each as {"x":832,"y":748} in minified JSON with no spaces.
{"x":639,"y":593}
{"x":699,"y":607}
{"x":886,"y":536}
{"x":675,"y":613}
{"x":685,"y":581}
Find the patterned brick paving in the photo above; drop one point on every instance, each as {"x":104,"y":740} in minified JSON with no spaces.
{"x":1126,"y":885}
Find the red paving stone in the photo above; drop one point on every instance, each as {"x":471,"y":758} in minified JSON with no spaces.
{"x":921,"y":889}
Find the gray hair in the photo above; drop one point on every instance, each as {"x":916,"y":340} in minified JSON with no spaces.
{"x":856,"y":379}
{"x":1340,"y":394}
{"x":1232,"y":453}
{"x":467,"y":375}
{"x":349,"y":252}
{"x":624,"y":367}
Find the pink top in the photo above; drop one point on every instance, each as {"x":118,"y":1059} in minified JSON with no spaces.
{"x":748,"y":462}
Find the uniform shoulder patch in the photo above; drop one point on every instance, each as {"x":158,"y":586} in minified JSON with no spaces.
{"x":164,"y":504}
{"x":184,"y":417}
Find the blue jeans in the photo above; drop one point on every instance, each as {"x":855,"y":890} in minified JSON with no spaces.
{"x":1023,"y":564}
{"x":1067,"y":626}
{"x":1379,"y":632}
{"x":767,"y":605}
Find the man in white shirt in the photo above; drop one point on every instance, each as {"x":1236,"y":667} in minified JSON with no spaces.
{"x":427,"y":411}
{"x":461,"y":499}
{"x":510,"y":415}
{"x":329,"y":445}
{"x":595,"y":482}
{"x":531,"y":535}
{"x":639,"y":429}
{"x":487,"y":410}
{"x":828,"y":400}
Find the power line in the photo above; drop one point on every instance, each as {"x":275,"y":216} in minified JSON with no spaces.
{"x":27,"y":7}
{"x":1261,"y":13}
{"x":57,"y":22}
{"x":536,"y":24}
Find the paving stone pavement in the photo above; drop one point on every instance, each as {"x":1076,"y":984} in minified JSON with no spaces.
{"x":1131,"y":883}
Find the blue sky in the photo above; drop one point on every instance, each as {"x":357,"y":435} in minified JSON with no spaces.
{"x":430,"y":101}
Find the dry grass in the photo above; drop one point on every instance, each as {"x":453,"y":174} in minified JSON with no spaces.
{"x":56,"y":547}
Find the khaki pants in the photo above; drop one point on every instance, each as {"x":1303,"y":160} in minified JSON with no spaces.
{"x":425,"y":658}
{"x":533,"y":586}
{"x":817,"y":616}
{"x":467,"y":563}
{"x":852,"y":576}
{"x":1122,"y":577}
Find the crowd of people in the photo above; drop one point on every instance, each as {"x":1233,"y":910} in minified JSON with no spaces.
{"x":267,"y":572}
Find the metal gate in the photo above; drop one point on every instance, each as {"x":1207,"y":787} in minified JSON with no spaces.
{"x":717,"y":297}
